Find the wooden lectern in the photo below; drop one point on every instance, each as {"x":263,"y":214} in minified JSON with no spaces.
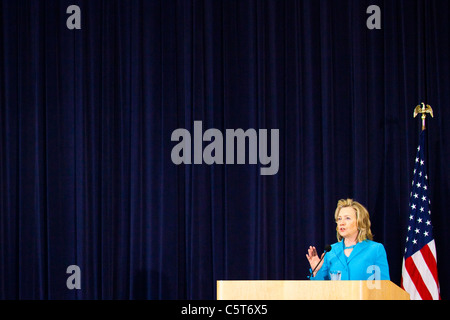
{"x":309,"y":290}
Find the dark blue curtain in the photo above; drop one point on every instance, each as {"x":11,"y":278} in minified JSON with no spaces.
{"x":86,"y":117}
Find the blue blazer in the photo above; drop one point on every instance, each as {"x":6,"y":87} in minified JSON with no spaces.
{"x":367,"y":261}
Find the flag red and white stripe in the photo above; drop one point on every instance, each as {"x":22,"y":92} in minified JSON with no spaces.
{"x":419,"y":274}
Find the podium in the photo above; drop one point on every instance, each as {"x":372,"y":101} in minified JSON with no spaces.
{"x":309,"y":290}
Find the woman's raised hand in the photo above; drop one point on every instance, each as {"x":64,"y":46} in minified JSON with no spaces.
{"x":313,"y":259}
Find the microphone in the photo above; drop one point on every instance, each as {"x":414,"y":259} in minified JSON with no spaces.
{"x":327,"y":249}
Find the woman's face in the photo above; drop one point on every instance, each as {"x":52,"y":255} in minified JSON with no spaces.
{"x":346,"y":223}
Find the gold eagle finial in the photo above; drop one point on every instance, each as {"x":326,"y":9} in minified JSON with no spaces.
{"x":423,"y":109}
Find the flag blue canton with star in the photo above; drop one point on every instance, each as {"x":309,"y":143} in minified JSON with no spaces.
{"x":419,"y":223}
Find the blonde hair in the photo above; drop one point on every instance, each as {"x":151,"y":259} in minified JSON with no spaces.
{"x":362,"y":219}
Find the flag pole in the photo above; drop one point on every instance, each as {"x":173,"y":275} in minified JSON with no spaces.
{"x":419,"y":266}
{"x":424,"y":109}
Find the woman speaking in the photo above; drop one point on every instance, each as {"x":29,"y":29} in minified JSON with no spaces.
{"x":355,"y":256}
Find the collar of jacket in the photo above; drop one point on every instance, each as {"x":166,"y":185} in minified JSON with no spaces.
{"x":338,"y":250}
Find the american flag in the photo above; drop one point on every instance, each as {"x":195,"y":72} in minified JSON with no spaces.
{"x":419,"y":268}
